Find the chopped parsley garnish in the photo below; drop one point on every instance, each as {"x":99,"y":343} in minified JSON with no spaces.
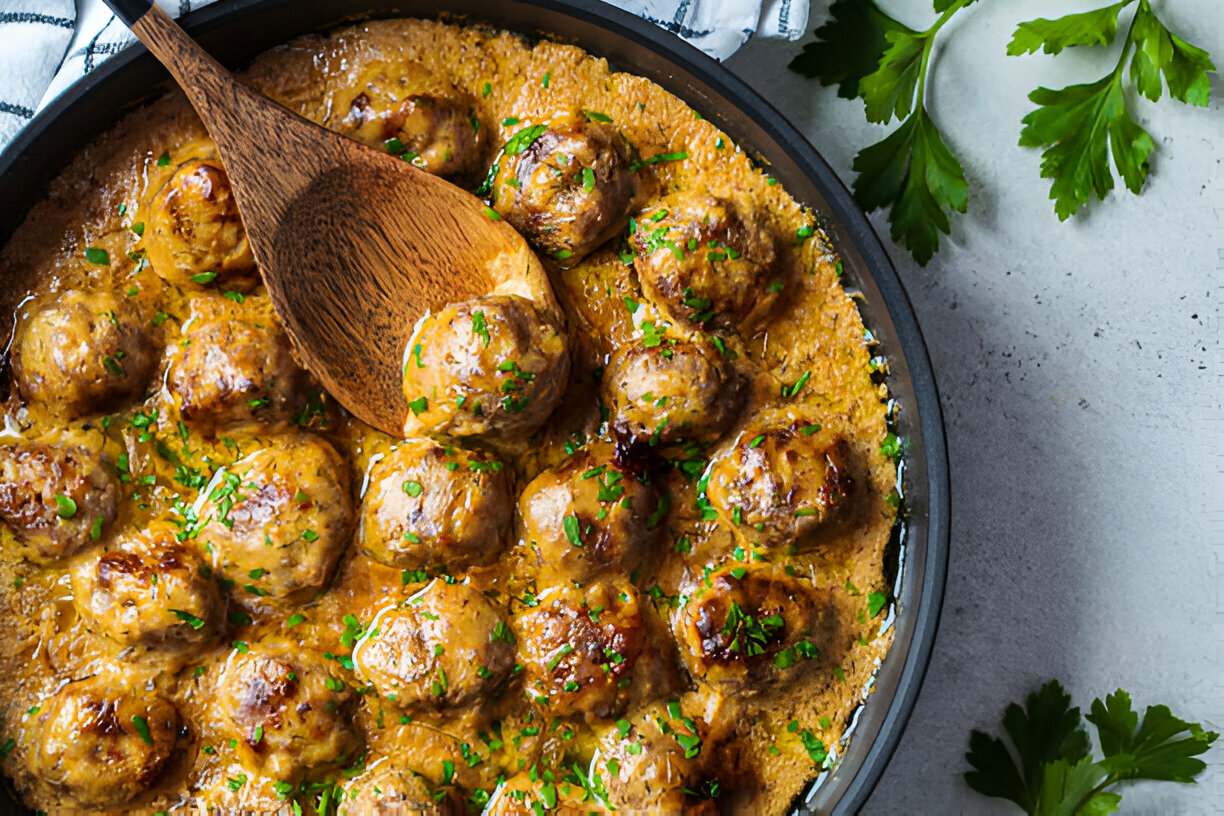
{"x":188,"y":618}
{"x":480,"y":328}
{"x":65,"y":507}
{"x":97,"y":256}
{"x":142,"y":728}
{"x":876,"y":601}
{"x":892,"y":446}
{"x":572,"y":530}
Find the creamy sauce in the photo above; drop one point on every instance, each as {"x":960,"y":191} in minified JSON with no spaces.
{"x":812,"y":348}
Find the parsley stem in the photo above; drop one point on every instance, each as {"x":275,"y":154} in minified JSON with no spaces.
{"x":928,"y":42}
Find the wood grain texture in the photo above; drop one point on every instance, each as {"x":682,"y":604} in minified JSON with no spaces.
{"x":354,"y":245}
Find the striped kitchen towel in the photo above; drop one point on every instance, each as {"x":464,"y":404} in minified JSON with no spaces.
{"x":34,"y":35}
{"x":46,"y":45}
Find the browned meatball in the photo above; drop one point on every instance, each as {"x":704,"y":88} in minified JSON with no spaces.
{"x":438,"y":133}
{"x":747,"y":625}
{"x":707,"y":261}
{"x":444,"y":647}
{"x":82,"y":353}
{"x":579,"y":647}
{"x":286,"y":709}
{"x":669,"y":393}
{"x":781,"y":481}
{"x":235,"y":370}
{"x":485,"y":367}
{"x":566,"y":185}
{"x":648,"y":760}
{"x":195,"y":236}
{"x":436,"y":505}
{"x":99,"y":745}
{"x":149,"y":591}
{"x":55,"y":499}
{"x":387,"y":790}
{"x":280,"y":518}
{"x":588,"y":517}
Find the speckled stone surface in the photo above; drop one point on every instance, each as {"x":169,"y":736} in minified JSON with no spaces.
{"x":1079,"y":365}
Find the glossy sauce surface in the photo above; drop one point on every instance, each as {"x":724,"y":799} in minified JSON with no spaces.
{"x":616,"y":609}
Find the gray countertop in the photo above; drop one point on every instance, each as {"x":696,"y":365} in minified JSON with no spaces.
{"x":1079,"y":366}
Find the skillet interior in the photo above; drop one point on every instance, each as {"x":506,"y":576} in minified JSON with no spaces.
{"x":236,"y":31}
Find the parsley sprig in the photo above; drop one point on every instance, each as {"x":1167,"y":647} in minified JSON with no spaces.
{"x":912,"y":172}
{"x":1081,"y":126}
{"x":1050,"y":770}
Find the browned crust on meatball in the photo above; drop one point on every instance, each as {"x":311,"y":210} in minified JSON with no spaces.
{"x":571,"y":189}
{"x":33,"y":476}
{"x":82,"y":353}
{"x":435,"y":505}
{"x":195,"y":235}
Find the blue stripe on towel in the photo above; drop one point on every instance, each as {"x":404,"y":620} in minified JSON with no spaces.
{"x":16,"y":110}
{"x":34,"y":17}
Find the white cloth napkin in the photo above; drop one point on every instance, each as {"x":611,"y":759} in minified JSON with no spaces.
{"x":46,"y":45}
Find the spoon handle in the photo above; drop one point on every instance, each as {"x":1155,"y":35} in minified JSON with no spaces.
{"x":129,"y":11}
{"x":201,"y":76}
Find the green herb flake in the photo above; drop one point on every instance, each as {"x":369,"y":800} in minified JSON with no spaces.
{"x":65,"y":507}
{"x":142,"y":728}
{"x":572,"y":531}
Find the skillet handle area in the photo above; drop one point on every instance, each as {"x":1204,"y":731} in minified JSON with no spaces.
{"x":129,"y":11}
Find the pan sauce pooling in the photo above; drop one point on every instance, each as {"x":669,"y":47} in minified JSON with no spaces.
{"x":627,"y":558}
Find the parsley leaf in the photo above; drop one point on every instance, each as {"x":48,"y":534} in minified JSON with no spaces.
{"x":914,"y":173}
{"x":1082,"y":126}
{"x":847,"y":47}
{"x":1096,"y":27}
{"x":1051,"y":772}
{"x":1046,"y":730}
{"x":1147,"y":751}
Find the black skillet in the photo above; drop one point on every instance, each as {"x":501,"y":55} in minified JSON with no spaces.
{"x":236,"y":30}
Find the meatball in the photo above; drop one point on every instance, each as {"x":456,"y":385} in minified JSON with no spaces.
{"x":444,"y":647}
{"x":439,"y":133}
{"x":279,"y":518}
{"x":586,"y":518}
{"x":648,"y":761}
{"x":781,"y":482}
{"x":149,"y":592}
{"x":287,"y":711}
{"x":669,"y":394}
{"x":55,"y":499}
{"x":744,"y":624}
{"x":82,"y":353}
{"x":708,"y":262}
{"x":579,"y":647}
{"x":566,"y":185}
{"x":485,"y":367}
{"x":98,"y":745}
{"x":195,"y":234}
{"x":386,"y":790}
{"x":433,"y":505}
{"x":235,"y":370}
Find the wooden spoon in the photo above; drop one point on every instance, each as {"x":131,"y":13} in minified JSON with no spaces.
{"x":354,"y":244}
